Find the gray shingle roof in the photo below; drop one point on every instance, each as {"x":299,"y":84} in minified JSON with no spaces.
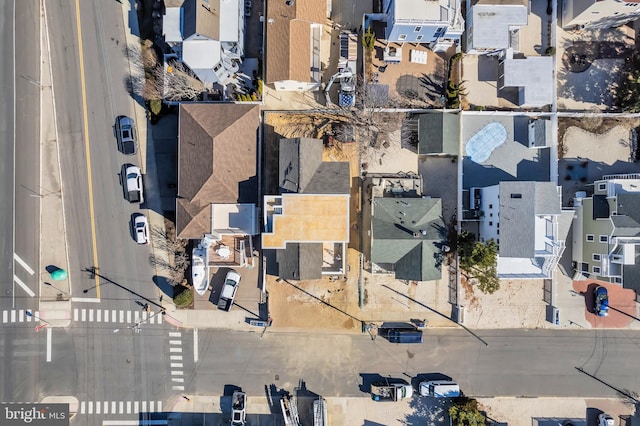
{"x":520,"y":202}
{"x":393,"y":244}
{"x":438,"y":133}
{"x":300,"y":261}
{"x":301,"y":169}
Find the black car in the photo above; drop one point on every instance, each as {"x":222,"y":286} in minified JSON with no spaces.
{"x":126,"y":134}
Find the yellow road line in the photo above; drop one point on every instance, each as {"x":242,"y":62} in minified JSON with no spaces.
{"x":86,"y":148}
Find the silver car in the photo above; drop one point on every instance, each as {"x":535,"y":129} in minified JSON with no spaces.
{"x":126,"y":135}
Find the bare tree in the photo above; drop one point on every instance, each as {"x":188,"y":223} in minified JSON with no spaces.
{"x":150,"y":79}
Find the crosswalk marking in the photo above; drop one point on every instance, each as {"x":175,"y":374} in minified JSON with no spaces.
{"x":176,"y":373}
{"x":179,"y":350}
{"x":176,"y":365}
{"x":136,"y":316}
{"x":175,"y":342}
{"x":122,"y":407}
{"x":129,"y":317}
{"x":175,"y":334}
{"x":106,"y":315}
{"x":113,"y":315}
{"x":159,"y":318}
{"x":180,"y":388}
{"x":5,"y":316}
{"x":175,"y":357}
{"x":177,"y":379}
{"x":75,"y":314}
{"x":13,"y":316}
{"x":84,"y":314}
{"x":21,"y":315}
{"x":91,"y":315}
{"x":99,"y":315}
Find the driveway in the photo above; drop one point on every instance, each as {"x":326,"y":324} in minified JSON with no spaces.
{"x":622,"y":306}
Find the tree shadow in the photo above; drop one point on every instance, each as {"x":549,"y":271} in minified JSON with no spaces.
{"x":163,"y":284}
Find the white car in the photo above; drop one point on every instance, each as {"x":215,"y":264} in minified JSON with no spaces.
{"x":605,"y":420}
{"x":133,"y":184}
{"x":141,"y":229}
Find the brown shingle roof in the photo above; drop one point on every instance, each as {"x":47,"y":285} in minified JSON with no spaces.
{"x":288,"y":48}
{"x":217,"y":152}
{"x":201,"y":18}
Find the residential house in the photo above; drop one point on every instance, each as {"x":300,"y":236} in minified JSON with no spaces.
{"x":207,"y":36}
{"x":606,"y":231}
{"x":532,"y":77}
{"x":217,"y":182}
{"x":307,"y":223}
{"x":438,"y":23}
{"x":407,"y":231}
{"x":495,"y":24}
{"x":438,"y":133}
{"x":293,"y":32}
{"x":579,"y":14}
{"x":527,"y":222}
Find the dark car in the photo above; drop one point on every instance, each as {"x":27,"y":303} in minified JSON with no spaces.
{"x":601,"y":304}
{"x":404,"y":336}
{"x":126,"y":135}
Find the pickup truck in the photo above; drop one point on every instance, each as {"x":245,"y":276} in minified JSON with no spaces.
{"x":132,"y":183}
{"x":390,"y":391}
{"x":229,"y":289}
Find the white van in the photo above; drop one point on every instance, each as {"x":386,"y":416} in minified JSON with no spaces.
{"x":440,"y":389}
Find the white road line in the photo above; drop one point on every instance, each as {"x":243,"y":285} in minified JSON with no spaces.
{"x":177,"y":373}
{"x":152,"y":406}
{"x":175,"y":357}
{"x":13,"y":315}
{"x":144,"y":316}
{"x":106,"y":407}
{"x":5,"y":316}
{"x":159,"y":406}
{"x":128,"y":407}
{"x":177,"y":379}
{"x":29,"y":319}
{"x":176,"y":365}
{"x":24,"y":286}
{"x":85,"y":299}
{"x":23,"y":264}
{"x":136,"y":407}
{"x":98,"y":405}
{"x":175,"y":334}
{"x":144,"y":406}
{"x":113,"y":316}
{"x":75,"y":314}
{"x":21,"y":315}
{"x":99,"y":315}
{"x":159,"y":318}
{"x":48,"y":344}
{"x":106,"y":315}
{"x":178,"y":388}
{"x":179,"y":350}
{"x":84,"y":314}
{"x":121,"y":316}
{"x":175,"y":342}
{"x":195,"y":345}
{"x":82,"y":406}
{"x":120,"y":407}
{"x":136,"y":316}
{"x":91,"y":315}
{"x":129,"y":317}
{"x":113,"y":407}
{"x":90,"y":411}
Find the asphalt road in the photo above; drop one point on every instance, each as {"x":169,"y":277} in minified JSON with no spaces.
{"x":20,"y":152}
{"x":513,"y":363}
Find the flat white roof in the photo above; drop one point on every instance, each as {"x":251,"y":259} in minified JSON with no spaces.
{"x":229,"y":20}
{"x":236,"y":218}
{"x":417,"y":9}
{"x":517,"y":266}
{"x":535,"y":75}
{"x":171,"y":25}
{"x":491,"y":22}
{"x":201,"y":54}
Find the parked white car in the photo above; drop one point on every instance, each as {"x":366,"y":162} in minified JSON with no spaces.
{"x":605,"y":420}
{"x":141,"y":229}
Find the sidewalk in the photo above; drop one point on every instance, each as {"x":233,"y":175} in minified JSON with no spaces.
{"x":54,"y":303}
{"x":362,"y":411}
